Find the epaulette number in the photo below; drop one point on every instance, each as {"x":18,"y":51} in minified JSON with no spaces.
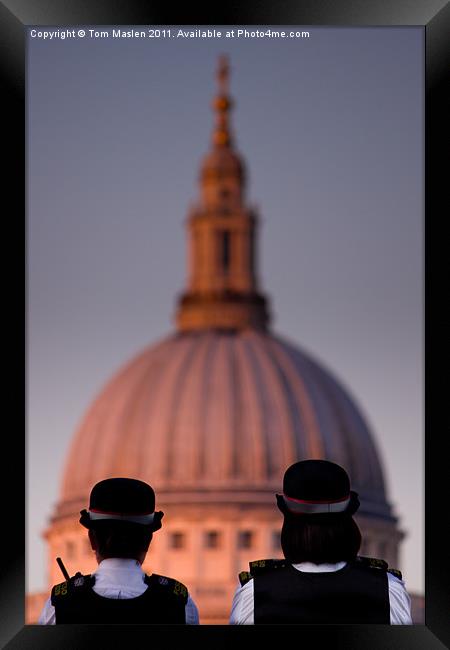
{"x":381,"y":564}
{"x":373,"y":562}
{"x":267,"y":564}
{"x":179,"y":589}
{"x":61,"y":589}
{"x":258,"y":563}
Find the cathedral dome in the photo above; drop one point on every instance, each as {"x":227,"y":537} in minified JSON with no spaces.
{"x":221,"y":415}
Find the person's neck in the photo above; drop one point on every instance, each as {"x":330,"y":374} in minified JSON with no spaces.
{"x":100,"y":558}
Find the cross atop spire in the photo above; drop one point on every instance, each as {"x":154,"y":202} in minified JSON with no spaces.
{"x":222,"y":104}
{"x":223,"y":71}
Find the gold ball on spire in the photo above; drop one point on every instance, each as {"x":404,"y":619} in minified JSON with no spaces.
{"x":221,"y":137}
{"x":222,"y":103}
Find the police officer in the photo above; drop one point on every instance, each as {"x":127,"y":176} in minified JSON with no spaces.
{"x":120,"y":520}
{"x":321,"y":579}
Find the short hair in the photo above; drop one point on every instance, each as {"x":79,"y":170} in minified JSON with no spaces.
{"x":331,"y":540}
{"x":122,"y":539}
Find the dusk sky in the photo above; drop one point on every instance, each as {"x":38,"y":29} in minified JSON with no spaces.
{"x":331,"y":130}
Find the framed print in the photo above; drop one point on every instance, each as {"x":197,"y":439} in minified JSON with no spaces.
{"x":330,"y":119}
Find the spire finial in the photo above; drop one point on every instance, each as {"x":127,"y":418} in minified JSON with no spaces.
{"x":222,"y":291}
{"x":223,"y":74}
{"x":222,"y":104}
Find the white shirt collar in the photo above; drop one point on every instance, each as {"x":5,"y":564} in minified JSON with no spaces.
{"x":119,"y":563}
{"x":119,"y":571}
{"x":310,"y":567}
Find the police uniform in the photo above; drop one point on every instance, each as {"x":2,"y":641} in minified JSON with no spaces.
{"x":364,"y":590}
{"x":121,"y":579}
{"x":395,"y":609}
{"x":119,"y":591}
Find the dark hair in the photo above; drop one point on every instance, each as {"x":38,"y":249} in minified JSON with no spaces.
{"x":330,"y":540}
{"x":121,"y":539}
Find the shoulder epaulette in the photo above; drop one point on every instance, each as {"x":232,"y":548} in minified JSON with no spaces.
{"x":396,"y":572}
{"x":244,"y":577}
{"x":375,"y":563}
{"x":60,"y":589}
{"x":174,"y":586}
{"x":260,"y":566}
{"x":74,"y":583}
{"x":372,"y":562}
{"x":179,"y":589}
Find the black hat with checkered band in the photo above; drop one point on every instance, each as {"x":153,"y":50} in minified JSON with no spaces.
{"x":122,"y":499}
{"x":318,"y":489}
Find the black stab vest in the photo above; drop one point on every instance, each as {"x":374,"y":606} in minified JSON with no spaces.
{"x":163,"y":601}
{"x":354,"y":594}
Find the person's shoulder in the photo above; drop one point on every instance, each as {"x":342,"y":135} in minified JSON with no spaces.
{"x":396,"y":582}
{"x":400,"y":601}
{"x":377,"y":564}
{"x":76,"y":583}
{"x":259,"y":567}
{"x":168,"y":585}
{"x":47,"y":615}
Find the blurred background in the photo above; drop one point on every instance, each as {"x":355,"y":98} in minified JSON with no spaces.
{"x":330,"y":131}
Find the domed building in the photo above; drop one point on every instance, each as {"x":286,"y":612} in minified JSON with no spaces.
{"x":213,"y":414}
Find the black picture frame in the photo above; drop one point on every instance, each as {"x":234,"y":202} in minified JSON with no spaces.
{"x":434,"y":17}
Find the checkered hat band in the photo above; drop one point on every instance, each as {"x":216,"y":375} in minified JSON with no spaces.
{"x":315,"y":507}
{"x":137,"y":519}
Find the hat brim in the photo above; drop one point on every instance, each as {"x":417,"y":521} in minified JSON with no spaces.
{"x":351,"y":508}
{"x":89,"y":522}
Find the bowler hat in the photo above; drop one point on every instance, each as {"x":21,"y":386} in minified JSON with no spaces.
{"x":317,"y":487}
{"x":122,"y":499}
